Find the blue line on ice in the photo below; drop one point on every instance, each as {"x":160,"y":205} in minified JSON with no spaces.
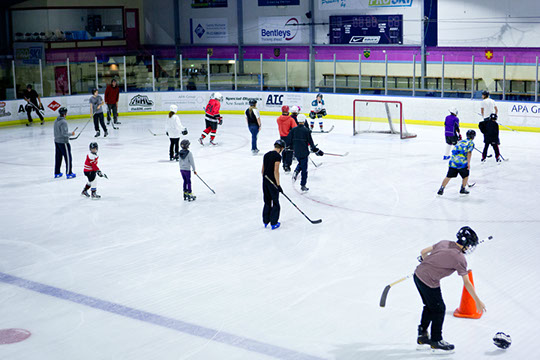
{"x":178,"y":325}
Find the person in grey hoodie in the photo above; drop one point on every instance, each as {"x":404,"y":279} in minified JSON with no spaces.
{"x":186,"y":164}
{"x":61,"y":142}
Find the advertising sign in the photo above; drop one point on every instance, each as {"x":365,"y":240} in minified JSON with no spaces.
{"x":209,"y":30}
{"x":280,"y":29}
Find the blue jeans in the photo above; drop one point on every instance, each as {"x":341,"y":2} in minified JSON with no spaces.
{"x":254,"y":129}
{"x":302,"y":166}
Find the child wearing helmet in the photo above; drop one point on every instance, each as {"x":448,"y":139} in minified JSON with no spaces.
{"x":460,"y":163}
{"x":451,"y":131}
{"x":253,"y":119}
{"x":91,"y":169}
{"x":437,"y":262}
{"x":174,"y":129}
{"x":318,"y":110}
{"x":186,"y":163}
{"x":285,"y":124}
{"x":212,"y":118}
{"x":294,"y":113}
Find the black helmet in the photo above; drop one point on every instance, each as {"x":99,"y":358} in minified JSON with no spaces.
{"x":184,"y":144}
{"x":485,"y":93}
{"x":62,"y":111}
{"x":493,"y":117}
{"x":93,"y":145}
{"x":467,"y":238}
{"x":471,"y":134}
{"x":252,"y":102}
{"x":94,"y":90}
{"x":280,"y":143}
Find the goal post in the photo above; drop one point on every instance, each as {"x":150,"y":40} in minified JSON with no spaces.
{"x":379,"y":116}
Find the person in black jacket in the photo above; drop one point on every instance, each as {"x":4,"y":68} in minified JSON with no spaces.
{"x":32,"y":98}
{"x":300,"y":140}
{"x":490,"y":129}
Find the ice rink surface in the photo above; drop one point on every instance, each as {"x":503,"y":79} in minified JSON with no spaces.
{"x":141,"y":274}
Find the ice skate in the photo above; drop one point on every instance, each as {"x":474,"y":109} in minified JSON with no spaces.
{"x":464,"y":191}
{"x":201,"y":141}
{"x":295,"y":175}
{"x":442,"y":347}
{"x":213,"y":143}
{"x":106,"y":133}
{"x":116,"y":122}
{"x":95,"y":195}
{"x":423,"y":341}
{"x":71,"y":176}
{"x":97,"y":134}
{"x":191,"y":197}
{"x":441,"y":191}
{"x":274,"y":227}
{"x":186,"y":196}
{"x":85,"y":191}
{"x":304,"y":188}
{"x":286,"y":168}
{"x":59,"y":175}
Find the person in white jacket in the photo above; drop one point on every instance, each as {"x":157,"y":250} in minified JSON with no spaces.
{"x":174,"y":129}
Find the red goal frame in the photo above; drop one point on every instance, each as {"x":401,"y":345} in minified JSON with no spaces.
{"x":402,"y":129}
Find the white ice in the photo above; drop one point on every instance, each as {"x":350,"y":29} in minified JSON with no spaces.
{"x":313,"y":289}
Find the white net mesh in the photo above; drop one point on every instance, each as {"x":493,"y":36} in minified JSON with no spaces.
{"x":379,"y":116}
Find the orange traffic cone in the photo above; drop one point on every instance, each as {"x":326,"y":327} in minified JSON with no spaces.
{"x":467,"y":308}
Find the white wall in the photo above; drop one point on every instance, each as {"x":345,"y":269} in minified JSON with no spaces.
{"x":415,"y":110}
{"x":159,"y":22}
{"x":471,"y":23}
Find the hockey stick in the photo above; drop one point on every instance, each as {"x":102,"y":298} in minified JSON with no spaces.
{"x":205,"y":184}
{"x":509,"y":128}
{"x":38,"y":110}
{"x":314,"y":163}
{"x":490,"y":155}
{"x":384,"y":295}
{"x":341,"y":155}
{"x":112,"y":124}
{"x":318,"y":221}
{"x":155,"y":134}
{"x":386,"y":290}
{"x":500,"y":155}
{"x":104,"y":175}
{"x":76,"y":137}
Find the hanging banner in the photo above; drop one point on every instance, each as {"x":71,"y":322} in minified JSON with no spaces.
{"x":209,"y":31}
{"x":281,"y":29}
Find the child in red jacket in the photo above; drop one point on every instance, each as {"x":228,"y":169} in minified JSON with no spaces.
{"x":91,"y":170}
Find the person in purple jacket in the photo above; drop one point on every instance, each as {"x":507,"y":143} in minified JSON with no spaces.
{"x":451,"y":131}
{"x":437,"y":262}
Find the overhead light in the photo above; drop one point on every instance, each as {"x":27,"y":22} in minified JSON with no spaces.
{"x":231,"y":61}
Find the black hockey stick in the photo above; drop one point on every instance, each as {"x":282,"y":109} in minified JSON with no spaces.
{"x":341,"y":155}
{"x":386,"y":290}
{"x":76,"y":137}
{"x":384,"y":295}
{"x":38,"y":110}
{"x":154,"y":133}
{"x":314,"y":163}
{"x":297,"y":208}
{"x":205,"y":184}
{"x":490,"y":155}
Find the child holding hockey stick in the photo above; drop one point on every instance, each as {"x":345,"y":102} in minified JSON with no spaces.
{"x":437,"y":262}
{"x":186,"y":163}
{"x":91,"y":169}
{"x":318,"y":110}
{"x":460,"y":163}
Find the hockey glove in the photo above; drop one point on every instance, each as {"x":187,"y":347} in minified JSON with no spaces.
{"x":166,"y":132}
{"x":99,"y":173}
{"x":459,"y":137}
{"x":280,"y":189}
{"x":184,"y":132}
{"x":312,"y":115}
{"x":317,"y":151}
{"x":420,"y":259}
{"x":220,"y":120}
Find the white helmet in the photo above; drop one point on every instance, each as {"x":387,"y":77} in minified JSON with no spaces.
{"x":301,"y":118}
{"x":453,"y":110}
{"x":295,"y":109}
{"x":174,"y":108}
{"x":217,"y":96}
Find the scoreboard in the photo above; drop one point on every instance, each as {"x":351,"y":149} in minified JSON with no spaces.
{"x":366,"y":29}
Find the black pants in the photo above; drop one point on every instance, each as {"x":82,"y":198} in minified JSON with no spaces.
{"x":62,"y":151}
{"x":271,"y":203}
{"x":495,"y":148}
{"x":99,"y":119}
{"x":29,"y":109}
{"x":302,"y":167}
{"x":112,"y":108}
{"x":434,"y":308}
{"x":287,"y":152}
{"x":173,"y":149}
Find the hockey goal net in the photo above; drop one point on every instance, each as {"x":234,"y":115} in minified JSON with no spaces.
{"x":379,"y":116}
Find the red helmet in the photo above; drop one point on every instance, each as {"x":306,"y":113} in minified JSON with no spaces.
{"x":284,"y":109}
